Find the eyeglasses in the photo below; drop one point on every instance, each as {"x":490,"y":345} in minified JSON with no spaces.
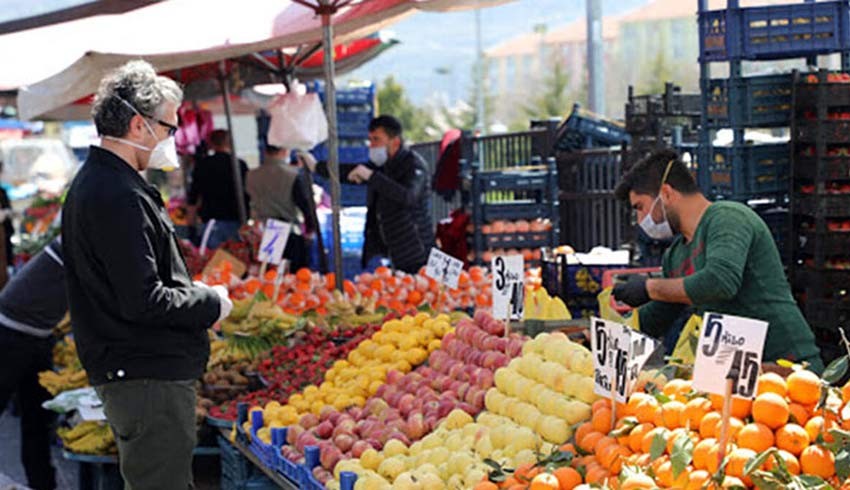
{"x":172,"y":129}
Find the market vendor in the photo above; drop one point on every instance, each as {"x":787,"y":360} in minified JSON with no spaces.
{"x":723,"y":260}
{"x":398,"y":220}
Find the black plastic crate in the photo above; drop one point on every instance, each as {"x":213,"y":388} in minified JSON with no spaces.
{"x":832,"y":278}
{"x":833,"y":206}
{"x":809,"y":86}
{"x":519,"y":240}
{"x":516,"y":180}
{"x":832,"y":168}
{"x":759,"y":101}
{"x":832,"y":244}
{"x":512,"y":211}
{"x":830,"y":131}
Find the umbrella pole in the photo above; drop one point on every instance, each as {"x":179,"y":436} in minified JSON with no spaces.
{"x":333,"y":142}
{"x":234,"y":160}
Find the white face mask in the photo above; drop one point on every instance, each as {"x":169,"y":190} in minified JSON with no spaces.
{"x":378,"y":155}
{"x":656,"y":231}
{"x":163,"y":156}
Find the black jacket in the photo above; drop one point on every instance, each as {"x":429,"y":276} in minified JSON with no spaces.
{"x":398,"y":222}
{"x":35,"y":299}
{"x":134,"y":311}
{"x":212,"y":185}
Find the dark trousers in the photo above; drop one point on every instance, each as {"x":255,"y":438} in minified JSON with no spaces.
{"x":21,"y":358}
{"x":154,"y":426}
{"x":296,"y":252}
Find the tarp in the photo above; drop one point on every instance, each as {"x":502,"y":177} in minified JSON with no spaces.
{"x":200,"y":81}
{"x":71,"y":58}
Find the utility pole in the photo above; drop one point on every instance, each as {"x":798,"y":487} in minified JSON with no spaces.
{"x":595,"y":58}
{"x":479,"y":74}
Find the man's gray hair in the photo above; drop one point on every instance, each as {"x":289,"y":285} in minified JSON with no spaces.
{"x":139,"y":86}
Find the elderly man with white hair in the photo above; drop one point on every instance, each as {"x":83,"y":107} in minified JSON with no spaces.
{"x":138,"y":320}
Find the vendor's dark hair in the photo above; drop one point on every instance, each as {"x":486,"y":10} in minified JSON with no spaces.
{"x":219,"y":138}
{"x":645,"y":176}
{"x":389,"y":124}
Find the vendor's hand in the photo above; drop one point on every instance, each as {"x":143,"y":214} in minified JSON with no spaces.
{"x":633,"y":292}
{"x":360,"y":174}
{"x":225,"y":305}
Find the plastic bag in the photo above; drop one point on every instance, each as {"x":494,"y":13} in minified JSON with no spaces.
{"x":686,"y":347}
{"x":607,"y":312}
{"x":298,"y":122}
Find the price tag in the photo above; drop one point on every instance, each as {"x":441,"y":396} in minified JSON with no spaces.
{"x":443,"y":268}
{"x":641,"y":349}
{"x":508,"y":286}
{"x":610,"y":343}
{"x":619,"y":354}
{"x":729,"y":345}
{"x":274,"y":241}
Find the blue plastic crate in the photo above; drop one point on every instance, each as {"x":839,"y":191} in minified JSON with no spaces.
{"x":350,"y":194}
{"x":741,"y":173}
{"x":583,"y":129}
{"x":774,"y":32}
{"x":234,"y":466}
{"x":354,"y":124}
{"x":760,"y":101}
{"x":350,"y":154}
{"x":288,"y":469}
{"x":347,"y":479}
{"x":346,"y":95}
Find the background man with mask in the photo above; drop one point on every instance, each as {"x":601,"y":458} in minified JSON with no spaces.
{"x":398,"y":220}
{"x":138,"y":320}
{"x":724,"y":261}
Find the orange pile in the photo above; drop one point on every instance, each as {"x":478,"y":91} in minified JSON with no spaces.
{"x":782,"y":416}
{"x":307,"y":291}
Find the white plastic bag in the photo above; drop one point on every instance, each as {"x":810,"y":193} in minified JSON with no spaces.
{"x":298,"y":122}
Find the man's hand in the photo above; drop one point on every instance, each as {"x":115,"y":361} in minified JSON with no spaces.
{"x":225,"y":304}
{"x":360,"y":174}
{"x":633,"y":292}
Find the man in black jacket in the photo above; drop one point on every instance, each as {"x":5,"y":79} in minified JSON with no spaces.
{"x":398,"y":221}
{"x":138,"y":320}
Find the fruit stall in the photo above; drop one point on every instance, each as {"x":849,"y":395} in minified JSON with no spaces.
{"x":399,"y":382}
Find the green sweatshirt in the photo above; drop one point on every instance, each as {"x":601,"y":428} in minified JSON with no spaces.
{"x":732,"y":266}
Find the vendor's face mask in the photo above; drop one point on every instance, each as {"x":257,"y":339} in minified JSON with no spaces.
{"x":658,"y":231}
{"x":378,"y":155}
{"x":163,"y":156}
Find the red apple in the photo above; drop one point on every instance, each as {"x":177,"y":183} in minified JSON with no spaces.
{"x":308,"y":421}
{"x":325,"y":429}
{"x":359,"y":448}
{"x":344,"y":442}
{"x":330,"y":457}
{"x":416,"y":428}
{"x":292,"y":434}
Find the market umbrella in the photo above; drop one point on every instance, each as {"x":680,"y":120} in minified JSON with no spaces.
{"x":71,"y":62}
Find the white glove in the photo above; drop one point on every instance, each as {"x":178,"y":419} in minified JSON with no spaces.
{"x":225,"y":305}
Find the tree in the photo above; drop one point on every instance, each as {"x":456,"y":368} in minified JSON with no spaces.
{"x":464,"y":114}
{"x":555,"y":97}
{"x":393,"y":100}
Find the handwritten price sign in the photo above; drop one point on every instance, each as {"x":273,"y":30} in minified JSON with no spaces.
{"x":274,"y":241}
{"x":729,"y":346}
{"x":443,"y":268}
{"x":619,"y":354}
{"x":508,"y":286}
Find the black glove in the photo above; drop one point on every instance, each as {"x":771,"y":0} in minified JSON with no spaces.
{"x":633,"y":292}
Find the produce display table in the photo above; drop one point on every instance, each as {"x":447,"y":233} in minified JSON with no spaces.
{"x":272,"y":475}
{"x":101,"y":472}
